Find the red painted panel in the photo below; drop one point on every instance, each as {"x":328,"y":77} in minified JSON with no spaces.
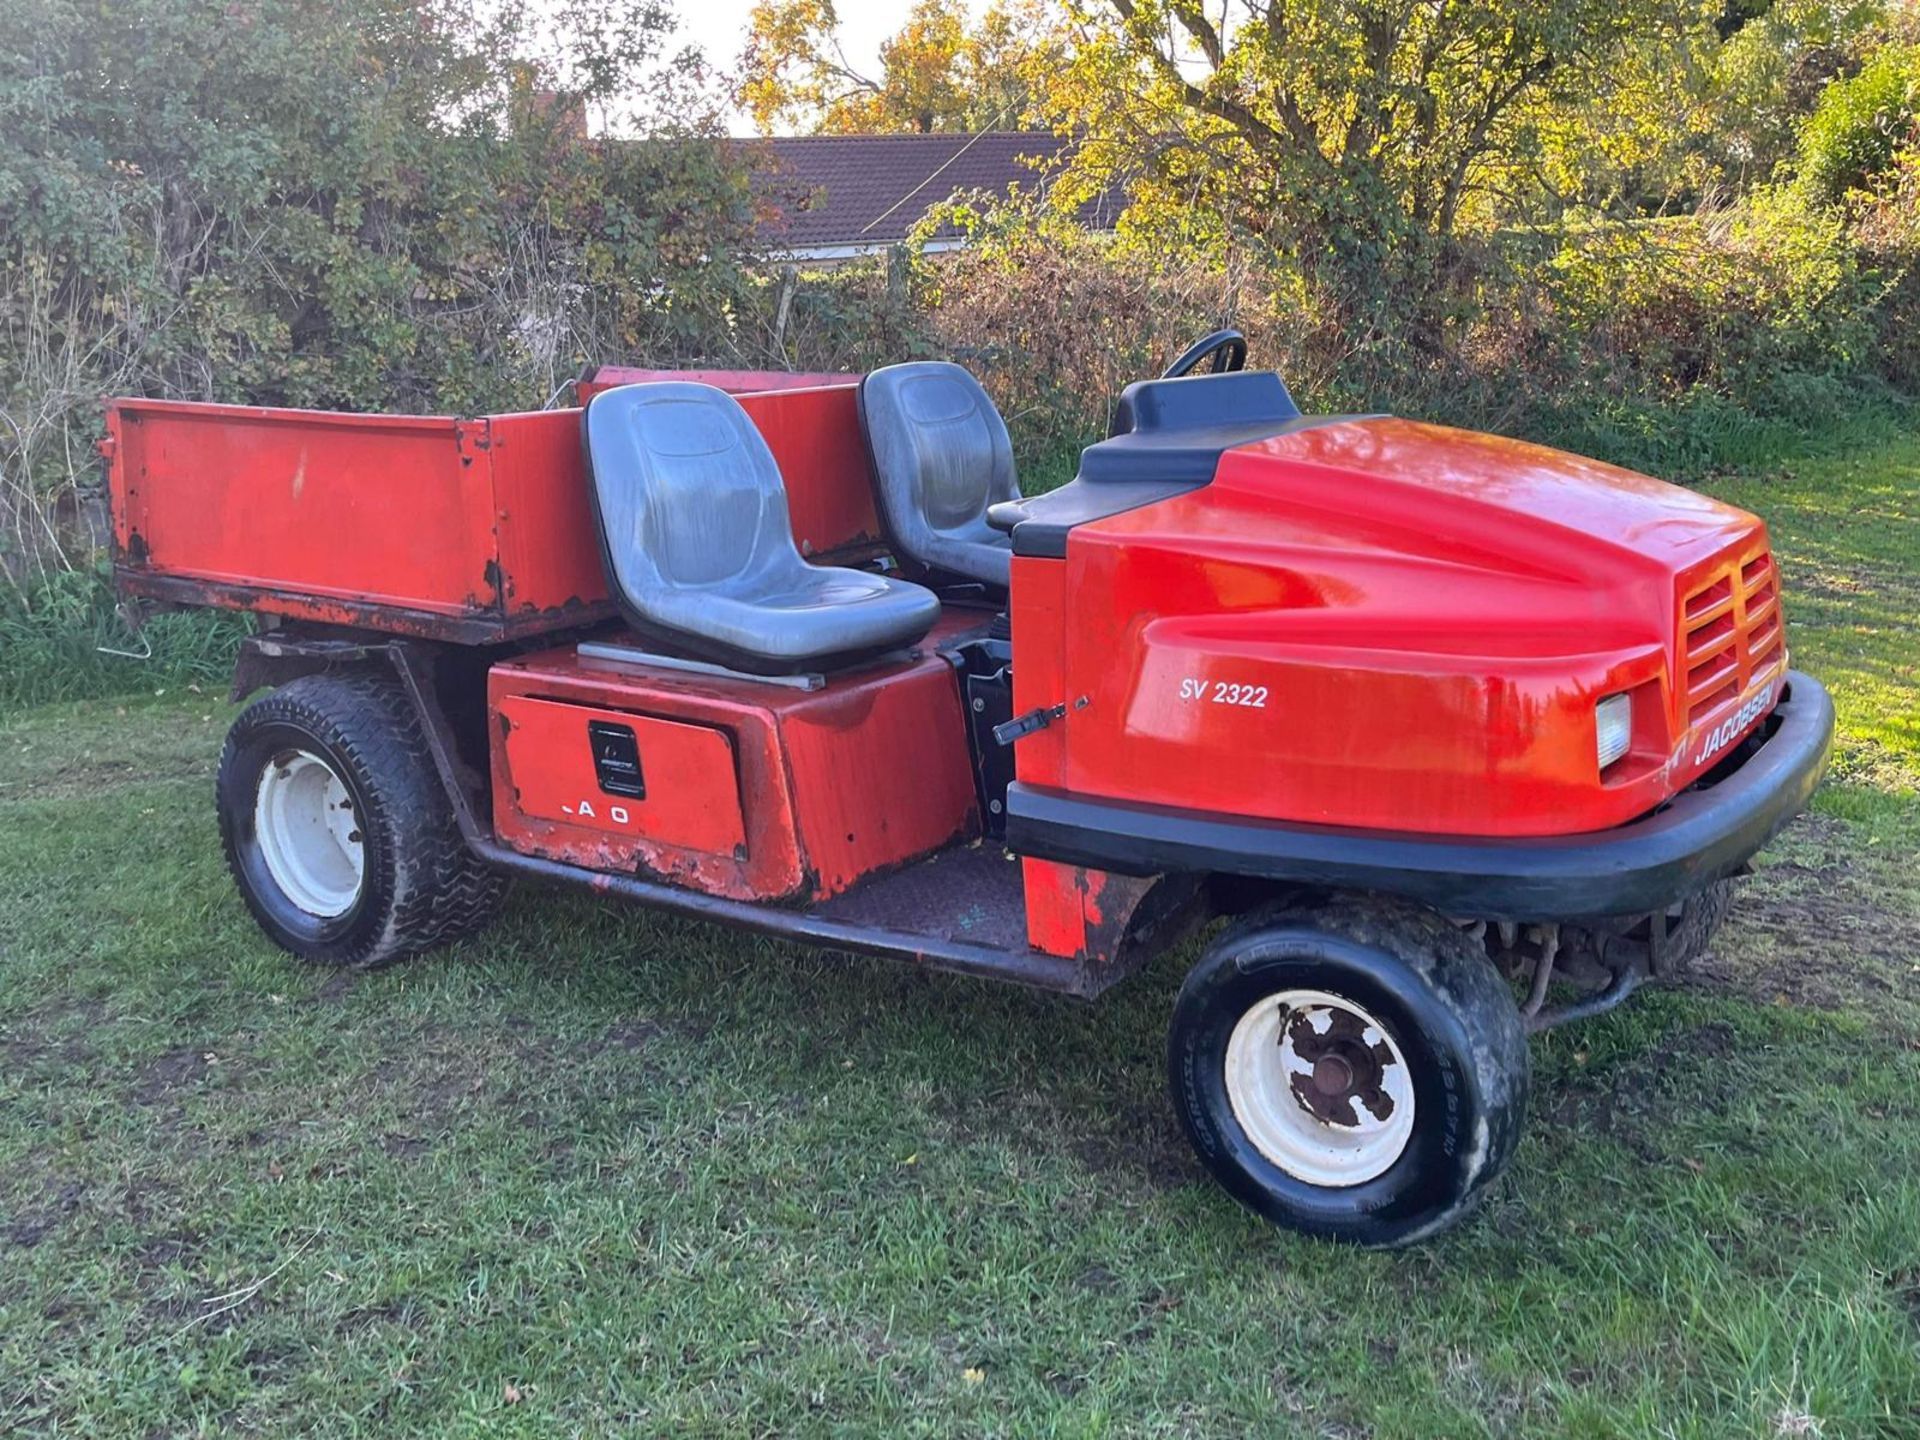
{"x":866,"y":774}
{"x":815,"y":438}
{"x":770,"y":867}
{"x":1056,"y":919}
{"x":381,"y":510}
{"x":549,"y":555}
{"x":691,"y":799}
{"x":1037,"y":603}
{"x":880,"y":770}
{"x":1080,"y":913}
{"x":389,"y":521}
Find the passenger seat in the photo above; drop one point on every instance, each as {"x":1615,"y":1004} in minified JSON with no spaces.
{"x":699,"y":550}
{"x":941,"y":458}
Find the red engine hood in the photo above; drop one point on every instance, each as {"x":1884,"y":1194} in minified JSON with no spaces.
{"x":1426,"y":618}
{"x":1404,"y":480}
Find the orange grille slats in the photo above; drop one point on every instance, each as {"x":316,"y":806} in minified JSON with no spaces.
{"x":1710,"y":601}
{"x":1730,"y":632}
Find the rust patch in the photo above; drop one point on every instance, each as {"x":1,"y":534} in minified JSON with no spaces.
{"x":1347,"y":1071}
{"x":481,"y":624}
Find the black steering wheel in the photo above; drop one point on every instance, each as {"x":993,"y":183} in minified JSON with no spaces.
{"x":1227,"y":348}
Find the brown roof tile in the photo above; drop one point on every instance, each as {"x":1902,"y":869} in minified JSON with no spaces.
{"x":830,"y":190}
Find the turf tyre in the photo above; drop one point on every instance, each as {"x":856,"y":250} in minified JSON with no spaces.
{"x":420,"y":886}
{"x":1445,"y":1007}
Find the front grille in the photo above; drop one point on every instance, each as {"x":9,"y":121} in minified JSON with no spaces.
{"x":1729,"y":633}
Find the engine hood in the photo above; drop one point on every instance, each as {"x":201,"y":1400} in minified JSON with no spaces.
{"x":1405,"y":476}
{"x":1391,"y":624}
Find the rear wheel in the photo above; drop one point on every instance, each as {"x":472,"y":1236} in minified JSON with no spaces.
{"x":1354,"y":1069}
{"x":338,"y":830}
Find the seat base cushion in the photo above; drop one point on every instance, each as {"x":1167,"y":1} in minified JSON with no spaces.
{"x":824,"y":619}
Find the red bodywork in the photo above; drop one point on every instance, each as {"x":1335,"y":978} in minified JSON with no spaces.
{"x":1389,"y":625}
{"x":422,"y":525}
{"x":1368,"y":623}
{"x":734,"y":382}
{"x":466,"y":530}
{"x":755,"y":792}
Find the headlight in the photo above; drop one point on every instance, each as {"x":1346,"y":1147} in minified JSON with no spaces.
{"x":1613,"y":728}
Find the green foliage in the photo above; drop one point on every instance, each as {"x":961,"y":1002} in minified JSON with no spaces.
{"x":1733,"y":301}
{"x":939,"y":71}
{"x":1861,"y":124}
{"x":1058,"y":322}
{"x":852,"y":317}
{"x":63,"y":640}
{"x":1355,"y":143}
{"x":1672,"y":346}
{"x":1766,"y":75}
{"x":379,"y":204}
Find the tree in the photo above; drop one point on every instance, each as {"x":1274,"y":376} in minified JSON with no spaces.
{"x":936,"y":73}
{"x":1862,"y":125}
{"x":1358,"y":138}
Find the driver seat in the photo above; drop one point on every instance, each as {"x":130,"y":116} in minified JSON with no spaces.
{"x":694,"y":532}
{"x":941,"y":459}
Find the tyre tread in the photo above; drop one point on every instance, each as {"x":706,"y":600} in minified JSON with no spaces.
{"x":441,"y":890}
{"x":1459,"y":974}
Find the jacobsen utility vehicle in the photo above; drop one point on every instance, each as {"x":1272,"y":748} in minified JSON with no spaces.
{"x":1463,"y":737}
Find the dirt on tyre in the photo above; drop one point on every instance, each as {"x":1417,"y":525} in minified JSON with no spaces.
{"x":338,"y":830}
{"x":1354,"y":1069}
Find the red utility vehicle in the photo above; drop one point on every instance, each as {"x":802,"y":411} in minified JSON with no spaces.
{"x":1463,"y":736}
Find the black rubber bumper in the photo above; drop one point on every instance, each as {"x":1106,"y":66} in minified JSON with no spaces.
{"x":1706,"y":833}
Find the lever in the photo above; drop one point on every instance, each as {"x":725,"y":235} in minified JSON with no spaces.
{"x":1022,"y":726}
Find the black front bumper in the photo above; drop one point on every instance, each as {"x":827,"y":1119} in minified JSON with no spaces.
{"x":1706,"y":833}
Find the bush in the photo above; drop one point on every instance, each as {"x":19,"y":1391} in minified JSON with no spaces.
{"x":1860,"y":126}
{"x":364,"y":205}
{"x":1057,"y":322}
{"x":1888,"y":230}
{"x":1736,"y":302}
{"x":1679,"y":346}
{"x":853,"y":317}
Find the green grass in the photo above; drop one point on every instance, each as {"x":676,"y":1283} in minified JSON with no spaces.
{"x":605,"y":1172}
{"x":64,"y":639}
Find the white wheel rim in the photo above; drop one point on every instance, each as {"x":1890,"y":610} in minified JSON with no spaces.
{"x":1338,"y":1114}
{"x":309,"y":834}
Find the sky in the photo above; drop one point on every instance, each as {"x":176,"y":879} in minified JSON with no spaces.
{"x":719,"y":27}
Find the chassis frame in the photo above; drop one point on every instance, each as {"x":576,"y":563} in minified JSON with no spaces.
{"x":1178,"y":873}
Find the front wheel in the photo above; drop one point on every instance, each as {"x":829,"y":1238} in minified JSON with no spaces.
{"x":1354,"y":1069}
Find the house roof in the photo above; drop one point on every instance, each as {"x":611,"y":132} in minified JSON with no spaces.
{"x":870,"y":191}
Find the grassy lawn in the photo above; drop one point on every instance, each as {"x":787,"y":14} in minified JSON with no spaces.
{"x":605,"y":1172}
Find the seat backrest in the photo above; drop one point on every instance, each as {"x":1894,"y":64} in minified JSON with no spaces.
{"x":941,"y":457}
{"x":686,"y":492}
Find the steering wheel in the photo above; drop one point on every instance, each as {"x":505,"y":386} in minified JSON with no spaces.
{"x":1227,"y":349}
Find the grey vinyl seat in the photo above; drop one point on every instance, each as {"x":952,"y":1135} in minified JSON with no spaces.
{"x":699,"y":550}
{"x":941,"y":459}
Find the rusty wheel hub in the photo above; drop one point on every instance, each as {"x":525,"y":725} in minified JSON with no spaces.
{"x":1320,"y":1087}
{"x":1346,"y":1070}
